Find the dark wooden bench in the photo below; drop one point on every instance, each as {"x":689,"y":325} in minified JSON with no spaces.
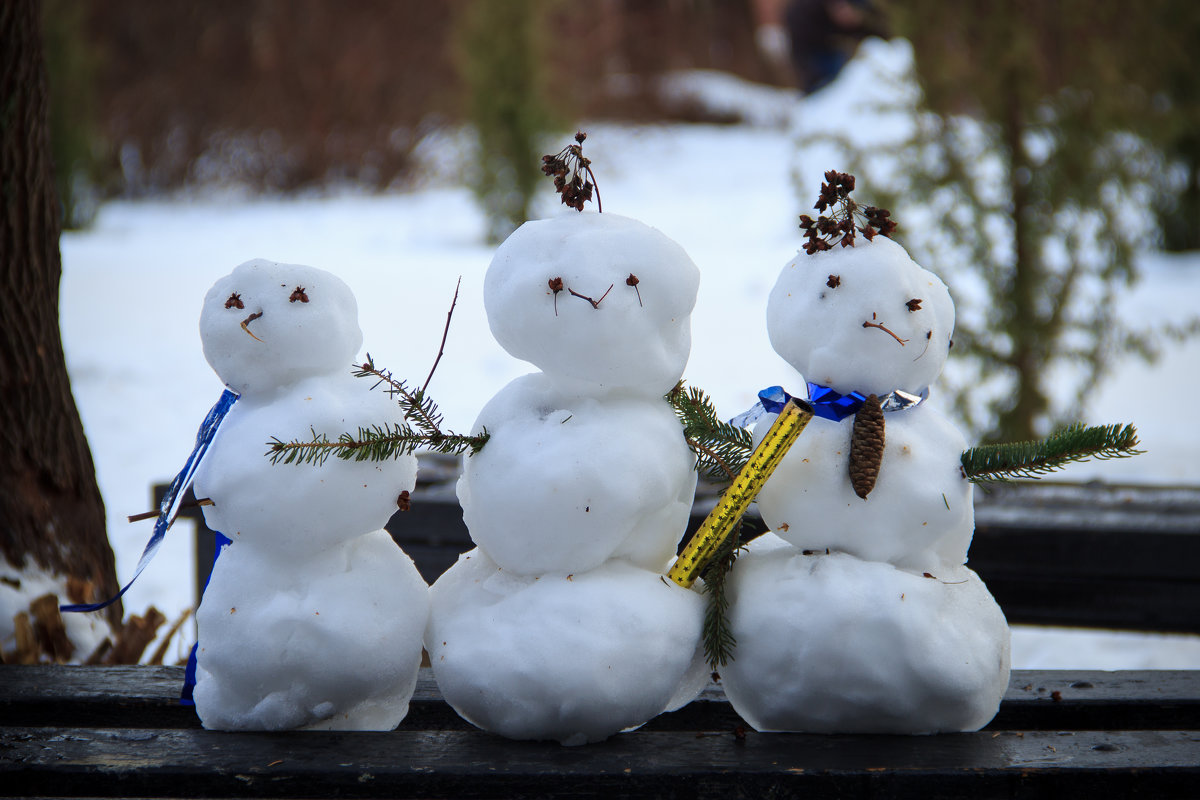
{"x":1089,"y":555}
{"x":119,"y":731}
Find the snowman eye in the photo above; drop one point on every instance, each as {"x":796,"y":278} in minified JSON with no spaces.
{"x":298,"y":294}
{"x":914,"y":304}
{"x":235,"y":301}
{"x":834,"y":281}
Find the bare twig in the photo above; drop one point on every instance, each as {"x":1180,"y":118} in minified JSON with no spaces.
{"x":445,"y":332}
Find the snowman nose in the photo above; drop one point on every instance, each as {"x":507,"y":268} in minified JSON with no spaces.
{"x":873,"y":324}
{"x":246,"y":324}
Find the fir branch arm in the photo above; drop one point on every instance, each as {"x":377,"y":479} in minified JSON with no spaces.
{"x":378,"y":443}
{"x":719,"y":641}
{"x":1001,"y":462}
{"x":722,"y":449}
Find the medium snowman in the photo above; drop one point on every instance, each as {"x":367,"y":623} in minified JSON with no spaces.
{"x":560,"y":624}
{"x":858,"y":614}
{"x":313,"y":617}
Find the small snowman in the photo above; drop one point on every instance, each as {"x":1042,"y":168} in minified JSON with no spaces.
{"x":313,"y":617}
{"x":858,"y":614}
{"x":560,"y":624}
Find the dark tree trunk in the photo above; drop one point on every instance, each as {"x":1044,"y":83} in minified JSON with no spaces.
{"x":51,"y":513}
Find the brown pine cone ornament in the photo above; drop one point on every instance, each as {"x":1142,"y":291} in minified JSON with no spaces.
{"x":866,"y":447}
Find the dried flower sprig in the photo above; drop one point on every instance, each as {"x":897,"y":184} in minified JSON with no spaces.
{"x":573,"y":177}
{"x":846,"y":218}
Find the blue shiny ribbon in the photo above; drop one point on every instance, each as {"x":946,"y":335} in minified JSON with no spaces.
{"x":825,"y":402}
{"x":170,"y":501}
{"x":189,"y":672}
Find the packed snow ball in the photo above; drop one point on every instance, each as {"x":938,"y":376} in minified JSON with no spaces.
{"x":304,"y":320}
{"x":865,"y":318}
{"x":595,"y":298}
{"x":573,"y":658}
{"x":568,"y":481}
{"x":834,"y":644}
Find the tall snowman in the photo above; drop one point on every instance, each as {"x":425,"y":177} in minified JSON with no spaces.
{"x":560,"y":624}
{"x":858,"y":613}
{"x":313,"y":616}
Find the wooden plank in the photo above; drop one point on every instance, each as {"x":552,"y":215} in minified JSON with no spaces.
{"x":168,"y":763}
{"x":147,"y":697}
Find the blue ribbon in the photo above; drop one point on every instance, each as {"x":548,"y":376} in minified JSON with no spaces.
{"x":825,"y":402}
{"x":170,"y":501}
{"x":189,"y":673}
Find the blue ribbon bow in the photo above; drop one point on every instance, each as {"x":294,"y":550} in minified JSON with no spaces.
{"x":825,"y":402}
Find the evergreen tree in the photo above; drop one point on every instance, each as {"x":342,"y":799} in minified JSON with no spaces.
{"x":1029,"y":182}
{"x":501,"y":59}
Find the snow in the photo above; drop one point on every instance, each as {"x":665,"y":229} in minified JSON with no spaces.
{"x":579,"y":500}
{"x":570,"y":657}
{"x":836,"y":644}
{"x":313,"y":617}
{"x":133,"y":286}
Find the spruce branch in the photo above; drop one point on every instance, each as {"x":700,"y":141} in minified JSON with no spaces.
{"x":721,"y":449}
{"x":382,"y":442}
{"x":1003,"y":462}
{"x":719,"y":641}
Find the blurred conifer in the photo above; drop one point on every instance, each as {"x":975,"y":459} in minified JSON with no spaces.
{"x":501,"y":47}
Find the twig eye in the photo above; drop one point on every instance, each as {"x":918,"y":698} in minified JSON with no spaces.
{"x":298,"y":294}
{"x":633,"y":281}
{"x":235,"y":301}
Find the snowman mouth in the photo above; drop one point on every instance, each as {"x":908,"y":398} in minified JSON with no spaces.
{"x":246,"y":325}
{"x":872,"y":324}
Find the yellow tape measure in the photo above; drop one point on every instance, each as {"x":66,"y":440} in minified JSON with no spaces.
{"x":722,"y":521}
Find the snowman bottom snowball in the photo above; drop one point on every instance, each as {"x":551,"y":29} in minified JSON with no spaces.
{"x":834,"y":644}
{"x":331,"y":644}
{"x":574,"y":658}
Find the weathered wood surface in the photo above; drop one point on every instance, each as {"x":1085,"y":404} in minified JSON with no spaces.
{"x":118,"y":731}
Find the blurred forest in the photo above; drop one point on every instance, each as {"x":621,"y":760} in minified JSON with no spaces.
{"x":282,"y":96}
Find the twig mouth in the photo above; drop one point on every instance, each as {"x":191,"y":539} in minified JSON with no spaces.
{"x":246,"y":325}
{"x":884,"y":328}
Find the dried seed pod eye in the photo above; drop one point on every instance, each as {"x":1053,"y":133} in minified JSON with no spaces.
{"x":298,"y":294}
{"x":834,"y":281}
{"x":633,"y":281}
{"x":235,"y":301}
{"x":914,"y":304}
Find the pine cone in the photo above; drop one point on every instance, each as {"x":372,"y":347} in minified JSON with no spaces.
{"x":866,"y":447}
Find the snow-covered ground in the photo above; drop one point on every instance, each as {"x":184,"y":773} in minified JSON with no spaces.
{"x":133,"y":285}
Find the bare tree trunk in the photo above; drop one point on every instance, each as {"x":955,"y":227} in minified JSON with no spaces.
{"x":51,"y":513}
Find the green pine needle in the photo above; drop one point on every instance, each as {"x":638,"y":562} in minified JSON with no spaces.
{"x":721,"y":449}
{"x":719,"y":641}
{"x":1002,"y":462}
{"x":382,"y":442}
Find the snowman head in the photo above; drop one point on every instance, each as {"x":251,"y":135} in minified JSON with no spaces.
{"x":268,"y":325}
{"x":865,"y":318}
{"x":594,"y":299}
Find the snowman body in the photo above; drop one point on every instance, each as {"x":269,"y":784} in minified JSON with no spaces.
{"x":313,"y":617}
{"x":559,"y":625}
{"x":857,"y":615}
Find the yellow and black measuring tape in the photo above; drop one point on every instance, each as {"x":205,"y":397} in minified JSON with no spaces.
{"x":722,"y":521}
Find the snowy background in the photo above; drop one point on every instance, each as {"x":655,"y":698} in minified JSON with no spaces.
{"x":133,"y":284}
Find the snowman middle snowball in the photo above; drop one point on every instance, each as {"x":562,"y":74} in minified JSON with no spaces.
{"x":560,"y":625}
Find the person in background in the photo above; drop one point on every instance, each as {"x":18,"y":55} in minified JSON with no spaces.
{"x":818,"y":37}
